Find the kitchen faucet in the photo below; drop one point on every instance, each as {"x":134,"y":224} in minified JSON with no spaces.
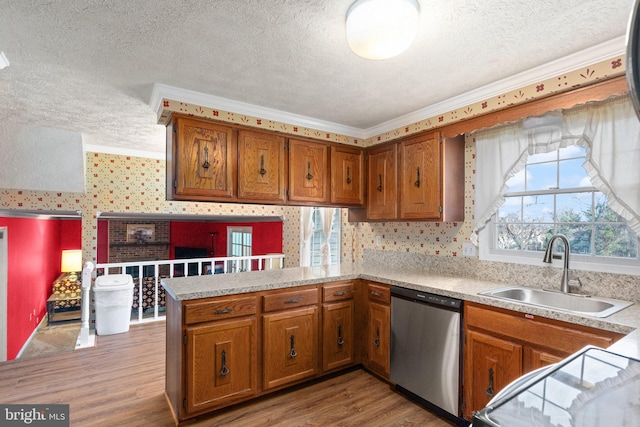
{"x":564,"y":283}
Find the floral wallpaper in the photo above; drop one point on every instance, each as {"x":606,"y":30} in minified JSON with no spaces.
{"x":126,"y":184}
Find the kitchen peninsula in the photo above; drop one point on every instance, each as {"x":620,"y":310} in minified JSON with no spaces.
{"x":218,"y":326}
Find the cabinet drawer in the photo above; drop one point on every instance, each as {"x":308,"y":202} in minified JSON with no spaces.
{"x":337,"y":292}
{"x":379,"y":293}
{"x":219,"y":308}
{"x":289,"y":299}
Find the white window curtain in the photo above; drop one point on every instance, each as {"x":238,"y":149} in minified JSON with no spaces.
{"x":609,"y":130}
{"x":326,"y":215}
{"x":306,"y":231}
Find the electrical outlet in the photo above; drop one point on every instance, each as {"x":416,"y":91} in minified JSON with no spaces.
{"x":378,"y":240}
{"x":468,"y":249}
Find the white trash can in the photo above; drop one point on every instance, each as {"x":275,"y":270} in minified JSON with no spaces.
{"x":113,"y":299}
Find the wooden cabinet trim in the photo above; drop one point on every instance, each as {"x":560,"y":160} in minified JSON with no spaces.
{"x":556,"y":335}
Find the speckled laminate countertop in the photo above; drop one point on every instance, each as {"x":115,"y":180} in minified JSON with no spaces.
{"x":626,"y":321}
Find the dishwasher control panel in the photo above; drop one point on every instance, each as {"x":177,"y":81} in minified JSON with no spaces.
{"x":426,"y":297}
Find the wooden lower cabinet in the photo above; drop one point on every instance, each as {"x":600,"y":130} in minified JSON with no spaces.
{"x":502,"y":345}
{"x":379,"y":329}
{"x":221,"y":363}
{"x":338,"y":325}
{"x":290,"y":346}
{"x":494,"y":363}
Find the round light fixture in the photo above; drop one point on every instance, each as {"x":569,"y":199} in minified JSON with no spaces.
{"x":382,"y":29}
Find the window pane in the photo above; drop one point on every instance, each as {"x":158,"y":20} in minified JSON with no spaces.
{"x":616,"y":240}
{"x":538,"y":208}
{"x":516,"y":182}
{"x":574,"y":207}
{"x":572,"y":152}
{"x":579,"y":236}
{"x":529,"y":237}
{"x":602,"y":212}
{"x":511,"y":210}
{"x":542,"y":176}
{"x":573,"y":175}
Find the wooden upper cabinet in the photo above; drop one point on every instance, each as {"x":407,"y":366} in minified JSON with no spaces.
{"x":420,"y":177}
{"x":203,"y":164}
{"x":308,"y":171}
{"x":382,"y":202}
{"x":347,"y":181}
{"x":261,"y":166}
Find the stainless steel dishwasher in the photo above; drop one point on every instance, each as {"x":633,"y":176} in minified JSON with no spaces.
{"x":426,"y":331}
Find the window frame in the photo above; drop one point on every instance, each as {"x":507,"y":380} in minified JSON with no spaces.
{"x":488,"y":236}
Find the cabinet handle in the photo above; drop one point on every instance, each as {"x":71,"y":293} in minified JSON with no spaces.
{"x":339,"y":294}
{"x":206,"y":163}
{"x":292,"y":301}
{"x":380,"y":186}
{"x":376,"y":342}
{"x":417,"y":183}
{"x":224,"y":311}
{"x":348,"y":175}
{"x":309,"y":176}
{"x":376,"y":294}
{"x":224,"y":371}
{"x":263,"y":171}
{"x":292,"y":352}
{"x":340,"y":340}
{"x":489,"y":391}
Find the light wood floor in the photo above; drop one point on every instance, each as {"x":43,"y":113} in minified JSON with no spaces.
{"x":120,"y":382}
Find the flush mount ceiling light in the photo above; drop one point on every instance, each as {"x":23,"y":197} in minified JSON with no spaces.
{"x":381,"y":29}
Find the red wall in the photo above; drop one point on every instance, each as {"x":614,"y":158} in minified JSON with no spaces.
{"x":266,"y":236}
{"x":34,"y":248}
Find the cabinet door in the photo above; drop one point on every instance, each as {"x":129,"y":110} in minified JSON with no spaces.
{"x":490,"y":364}
{"x":347,"y":175}
{"x":205,"y":159}
{"x":337,"y":335}
{"x":420,"y":178}
{"x":261,"y":166}
{"x":308,"y":171}
{"x":535,"y":358}
{"x":290,"y":346}
{"x":379,"y":336}
{"x":220,"y":363}
{"x":382,"y":202}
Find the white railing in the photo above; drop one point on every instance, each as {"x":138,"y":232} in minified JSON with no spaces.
{"x":147,"y":275}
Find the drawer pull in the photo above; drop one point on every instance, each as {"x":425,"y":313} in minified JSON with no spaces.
{"x":206,"y":163}
{"x":376,"y":294}
{"x":224,"y":311}
{"x":339,"y":294}
{"x":263,"y":171}
{"x":292,"y":301}
{"x":224,"y":371}
{"x":292,"y":352}
{"x":489,"y":391}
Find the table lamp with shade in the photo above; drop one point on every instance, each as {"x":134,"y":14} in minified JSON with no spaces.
{"x":71,"y":263}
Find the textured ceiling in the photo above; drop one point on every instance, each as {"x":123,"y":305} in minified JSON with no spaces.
{"x":90,"y":66}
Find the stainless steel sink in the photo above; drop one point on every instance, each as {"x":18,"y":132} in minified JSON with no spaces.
{"x":573,"y":303}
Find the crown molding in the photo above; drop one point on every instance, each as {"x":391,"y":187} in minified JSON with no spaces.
{"x":575,"y":61}
{"x":572,"y":62}
{"x":162,"y":91}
